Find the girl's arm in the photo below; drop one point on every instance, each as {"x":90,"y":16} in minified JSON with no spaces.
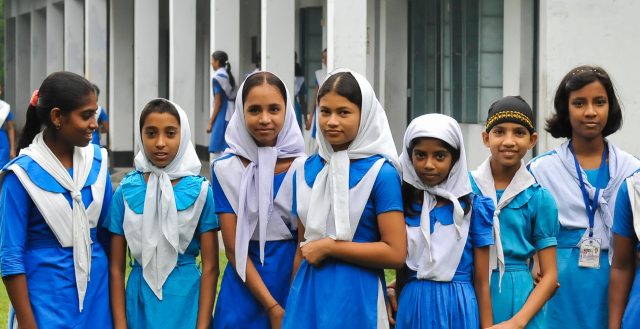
{"x":117,"y":264}
{"x":481,"y":285}
{"x":16,"y":286}
{"x":298,"y":258}
{"x":622,"y":273}
{"x":12,"y":134}
{"x":209,"y":278}
{"x":389,"y":252}
{"x":217,"y":104}
{"x":253,"y":280}
{"x":541,"y":293}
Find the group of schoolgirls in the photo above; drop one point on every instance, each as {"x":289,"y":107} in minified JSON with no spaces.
{"x":308,"y":237}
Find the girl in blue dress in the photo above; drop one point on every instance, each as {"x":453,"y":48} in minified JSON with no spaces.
{"x":253,"y":187}
{"x":223,"y":84}
{"x":349,"y":205}
{"x":163,"y":212}
{"x":449,"y":231}
{"x":54,"y":198}
{"x":624,"y":283}
{"x":525,"y":221}
{"x":585,"y":173}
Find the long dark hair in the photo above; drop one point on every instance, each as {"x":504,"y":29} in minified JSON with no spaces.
{"x":412,"y":195}
{"x":64,"y":90}
{"x":223,"y":59}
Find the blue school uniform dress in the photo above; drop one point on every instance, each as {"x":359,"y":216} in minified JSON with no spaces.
{"x":623,"y":226}
{"x":181,"y":291}
{"x":299,"y":91}
{"x":433,"y":304}
{"x":236,"y":306}
{"x":338,"y":294}
{"x":582,"y":299}
{"x":101,"y":117}
{"x":216,"y":141}
{"x":5,"y":145}
{"x":529,"y":223}
{"x":28,"y":246}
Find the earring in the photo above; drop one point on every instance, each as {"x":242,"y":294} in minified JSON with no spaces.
{"x":58,"y":125}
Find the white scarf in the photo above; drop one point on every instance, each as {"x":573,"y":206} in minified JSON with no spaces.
{"x":161,"y":240}
{"x":330,"y":194}
{"x":633,"y":191}
{"x":454,"y":187}
{"x":256,"y":183}
{"x":79,"y":238}
{"x":222,"y":77}
{"x":4,"y":111}
{"x":483,"y":177}
{"x":556,"y":172}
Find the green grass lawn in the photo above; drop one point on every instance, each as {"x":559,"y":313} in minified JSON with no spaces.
{"x":4,"y":299}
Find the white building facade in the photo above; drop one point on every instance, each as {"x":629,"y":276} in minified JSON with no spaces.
{"x":421,"y":56}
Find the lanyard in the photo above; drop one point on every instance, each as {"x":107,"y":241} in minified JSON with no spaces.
{"x":591,"y":206}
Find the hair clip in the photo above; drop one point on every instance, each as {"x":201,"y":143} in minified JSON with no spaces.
{"x":34,"y":98}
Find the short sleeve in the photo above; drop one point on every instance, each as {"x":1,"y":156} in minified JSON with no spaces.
{"x":221,"y":202}
{"x":217,"y":88}
{"x":546,"y":226}
{"x":481,"y":227}
{"x":115,"y":217}
{"x":102,"y":117}
{"x":623,"y":215}
{"x":14,"y":218}
{"x":9,"y":117}
{"x":208,"y":217}
{"x":386,"y":192}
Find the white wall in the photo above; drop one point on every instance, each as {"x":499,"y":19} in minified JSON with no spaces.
{"x":601,"y":32}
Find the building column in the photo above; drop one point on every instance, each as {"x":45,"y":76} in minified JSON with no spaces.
{"x":202,"y":89}
{"x":145,"y":58}
{"x":10,"y":69}
{"x":96,"y":46}
{"x":225,"y":34}
{"x":347,"y":35}
{"x":121,"y":92}
{"x":74,"y":36}
{"x":55,"y":37}
{"x":23,"y":64}
{"x":38,"y":48}
{"x":277,"y":30}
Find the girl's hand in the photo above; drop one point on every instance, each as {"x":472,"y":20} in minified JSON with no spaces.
{"x":276,"y":314}
{"x":209,"y":128}
{"x":316,"y":251}
{"x":509,"y":324}
{"x":308,"y":123}
{"x":392,"y":305}
{"x":537,"y":279}
{"x":12,"y":153}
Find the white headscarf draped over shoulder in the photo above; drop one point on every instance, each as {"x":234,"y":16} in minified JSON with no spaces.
{"x":457,"y":183}
{"x":161,"y":238}
{"x":257,"y":179}
{"x":330,"y":194}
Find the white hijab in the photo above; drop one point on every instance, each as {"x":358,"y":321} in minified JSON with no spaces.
{"x":257,"y":179}
{"x":80,"y":235}
{"x":161,"y":240}
{"x":331,"y":188}
{"x":457,"y":183}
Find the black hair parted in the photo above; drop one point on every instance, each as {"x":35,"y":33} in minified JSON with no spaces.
{"x":260,"y":78}
{"x":559,"y":125}
{"x":64,"y":90}
{"x":158,"y":105}
{"x":343,"y":84}
{"x":223,"y":59}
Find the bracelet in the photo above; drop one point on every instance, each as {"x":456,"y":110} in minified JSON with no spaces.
{"x":272,"y":306}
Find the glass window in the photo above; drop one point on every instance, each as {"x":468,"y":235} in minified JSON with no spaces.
{"x":455,"y":57}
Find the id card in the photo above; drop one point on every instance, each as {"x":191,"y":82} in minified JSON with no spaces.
{"x":589,"y":253}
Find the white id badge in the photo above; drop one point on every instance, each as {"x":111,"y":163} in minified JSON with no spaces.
{"x":590,"y":253}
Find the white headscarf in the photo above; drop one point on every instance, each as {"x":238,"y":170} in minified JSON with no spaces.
{"x":257,"y":179}
{"x":331,"y":188}
{"x":161,"y":238}
{"x":457,"y":183}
